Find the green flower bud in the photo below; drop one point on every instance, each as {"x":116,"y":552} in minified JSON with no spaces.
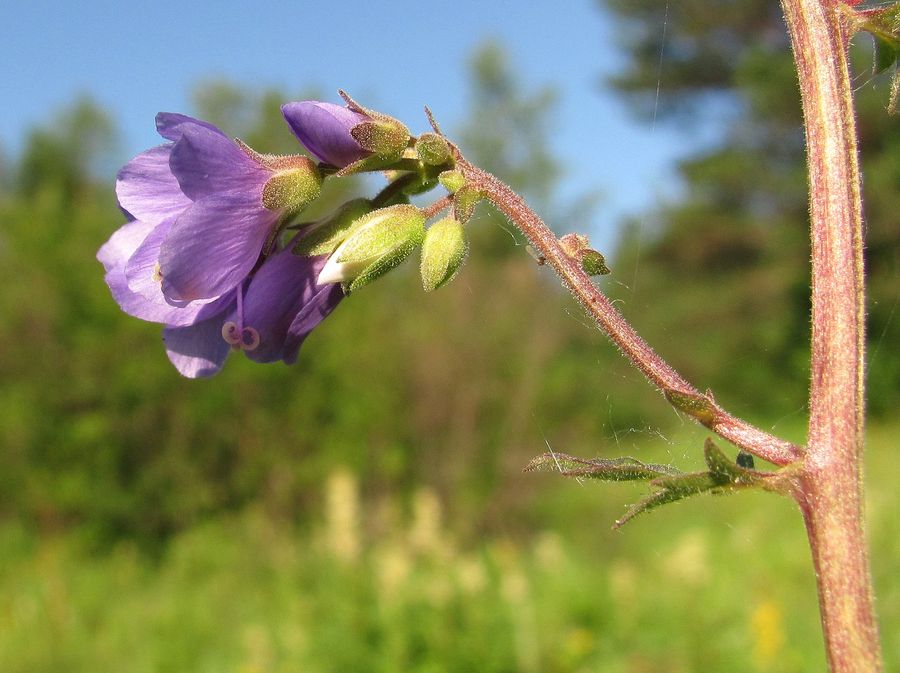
{"x":379,"y":241}
{"x":443,"y":252}
{"x":432,"y":149}
{"x":294,"y":186}
{"x":452,"y":181}
{"x":326,"y":235}
{"x":386,"y":137}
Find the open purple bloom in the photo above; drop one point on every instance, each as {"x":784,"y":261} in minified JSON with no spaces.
{"x":268,"y":319}
{"x":324,"y":129}
{"x":201,"y":208}
{"x":210,"y":193}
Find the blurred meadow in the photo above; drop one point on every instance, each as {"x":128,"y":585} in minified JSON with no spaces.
{"x":365,"y":509}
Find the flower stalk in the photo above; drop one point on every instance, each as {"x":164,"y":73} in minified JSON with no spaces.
{"x":659,"y":372}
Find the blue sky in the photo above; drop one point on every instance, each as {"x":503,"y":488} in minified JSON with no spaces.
{"x":136,"y":58}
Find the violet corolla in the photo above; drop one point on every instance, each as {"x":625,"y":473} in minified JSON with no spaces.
{"x":199,"y":254}
{"x":213,"y":205}
{"x":267,"y":316}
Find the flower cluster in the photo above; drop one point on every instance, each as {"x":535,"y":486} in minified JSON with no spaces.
{"x":210,"y":249}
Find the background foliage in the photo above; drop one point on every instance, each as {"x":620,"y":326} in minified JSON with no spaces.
{"x":153,"y":523}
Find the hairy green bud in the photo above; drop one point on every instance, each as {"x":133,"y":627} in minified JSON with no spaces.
{"x":443,"y":252}
{"x":386,"y":137}
{"x":432,"y":149}
{"x":378,"y":242}
{"x":452,"y":180}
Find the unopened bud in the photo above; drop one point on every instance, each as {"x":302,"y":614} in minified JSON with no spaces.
{"x":452,"y":181}
{"x":443,"y":252}
{"x":379,"y":241}
{"x":432,"y":149}
{"x":323,"y":237}
{"x":293,"y":187}
{"x":386,"y":137}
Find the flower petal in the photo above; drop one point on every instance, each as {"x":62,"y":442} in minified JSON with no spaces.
{"x":213,"y":246}
{"x":199,"y":350}
{"x":114,"y":256}
{"x":170,"y":125}
{"x":281,"y":288}
{"x":146,"y":188}
{"x":324,"y":129}
{"x":205,"y":162}
{"x":323,"y":302}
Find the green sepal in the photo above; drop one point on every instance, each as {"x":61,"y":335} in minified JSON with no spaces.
{"x":444,"y":251}
{"x":464,"y":201}
{"x":697,"y":405}
{"x":325,"y":236}
{"x":452,"y":180}
{"x":384,"y":264}
{"x":382,"y":231}
{"x":604,"y":469}
{"x":293,"y":188}
{"x":432,"y":149}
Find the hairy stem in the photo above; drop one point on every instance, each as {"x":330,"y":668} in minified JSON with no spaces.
{"x":829,"y":486}
{"x":599,"y":307}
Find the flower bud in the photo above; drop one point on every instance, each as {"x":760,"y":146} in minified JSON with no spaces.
{"x":443,"y":252}
{"x":379,"y":241}
{"x":452,"y":180}
{"x":323,"y":237}
{"x":432,"y":149}
{"x":293,"y":187}
{"x":386,"y":137}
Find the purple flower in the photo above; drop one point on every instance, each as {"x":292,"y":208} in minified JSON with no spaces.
{"x":201,"y":209}
{"x":213,"y":199}
{"x":324,"y":129}
{"x":269,"y":318}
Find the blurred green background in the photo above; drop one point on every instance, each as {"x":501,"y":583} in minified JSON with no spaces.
{"x":365,"y":509}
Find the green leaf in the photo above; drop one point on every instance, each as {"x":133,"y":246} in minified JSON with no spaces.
{"x":604,"y":469}
{"x":722,"y":468}
{"x":672,"y":485}
{"x":672,"y":489}
{"x":594,"y":263}
{"x":884,"y":25}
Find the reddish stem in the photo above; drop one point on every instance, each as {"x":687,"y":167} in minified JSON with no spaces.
{"x":829,"y":488}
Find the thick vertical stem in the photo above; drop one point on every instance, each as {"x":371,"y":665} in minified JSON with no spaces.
{"x":829,"y":488}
